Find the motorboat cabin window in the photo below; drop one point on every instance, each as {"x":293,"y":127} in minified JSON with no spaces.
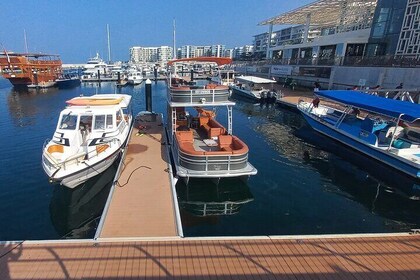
{"x":68,"y":122}
{"x":99,"y":122}
{"x":85,"y":122}
{"x":119,"y":117}
{"x":109,"y":122}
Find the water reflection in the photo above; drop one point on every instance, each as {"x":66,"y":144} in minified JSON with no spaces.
{"x":381,"y":189}
{"x":24,"y":105}
{"x":75,"y":213}
{"x":202,"y":201}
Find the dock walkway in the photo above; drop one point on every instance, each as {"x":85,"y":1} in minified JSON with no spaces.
{"x":141,"y":203}
{"x":340,"y":257}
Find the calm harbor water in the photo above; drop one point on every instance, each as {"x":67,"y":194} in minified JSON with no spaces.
{"x":306,"y":183}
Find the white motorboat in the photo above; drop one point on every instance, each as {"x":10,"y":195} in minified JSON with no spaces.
{"x":91,"y":132}
{"x":135,"y":78}
{"x":253,"y":88}
{"x":95,"y":65}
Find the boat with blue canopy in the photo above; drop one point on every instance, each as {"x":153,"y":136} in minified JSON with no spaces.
{"x":385,"y":129}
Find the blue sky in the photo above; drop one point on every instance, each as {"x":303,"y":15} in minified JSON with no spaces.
{"x":76,"y":29}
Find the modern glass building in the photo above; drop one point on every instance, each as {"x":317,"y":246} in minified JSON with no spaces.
{"x":344,"y":32}
{"x":386,"y":27}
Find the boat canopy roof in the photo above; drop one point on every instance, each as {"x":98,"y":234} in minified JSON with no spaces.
{"x":373,"y":103}
{"x":253,"y":79}
{"x":218,"y":60}
{"x":116,"y":100}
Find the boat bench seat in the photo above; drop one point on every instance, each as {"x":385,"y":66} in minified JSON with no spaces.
{"x":232,"y":144}
{"x":212,"y":127}
{"x":185,"y":136}
{"x":185,"y":142}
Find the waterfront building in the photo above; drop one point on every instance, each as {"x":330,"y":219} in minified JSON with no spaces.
{"x":136,"y":54}
{"x":287,"y":36}
{"x":243,"y":52}
{"x":228,"y":53}
{"x":325,"y":38}
{"x":165,"y":53}
{"x":191,"y":51}
{"x":218,"y":50}
{"x":150,"y":54}
{"x":334,"y":31}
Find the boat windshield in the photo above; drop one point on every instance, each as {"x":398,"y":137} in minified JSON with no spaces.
{"x":68,"y":122}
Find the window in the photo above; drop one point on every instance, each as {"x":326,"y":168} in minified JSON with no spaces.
{"x":99,"y":122}
{"x":109,"y":122}
{"x":85,"y":122}
{"x":119,"y":117}
{"x":68,"y":122}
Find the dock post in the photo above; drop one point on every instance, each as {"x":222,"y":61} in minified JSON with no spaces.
{"x":155,"y":72}
{"x":192,"y":75}
{"x":99,"y":76}
{"x":148,"y":95}
{"x":118,"y":78}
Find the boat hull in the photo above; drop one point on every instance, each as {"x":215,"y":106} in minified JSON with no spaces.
{"x":214,"y":166}
{"x":135,"y":82}
{"x":245,"y":94}
{"x":68,"y":83}
{"x":376,"y":153}
{"x":81,"y":176}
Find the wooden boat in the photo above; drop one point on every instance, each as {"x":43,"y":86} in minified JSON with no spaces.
{"x":389,"y":134}
{"x":90,"y":134}
{"x":23,"y":69}
{"x":201,"y":146}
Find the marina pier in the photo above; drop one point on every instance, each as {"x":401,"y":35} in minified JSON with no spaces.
{"x":266,"y":257}
{"x":141,"y":202}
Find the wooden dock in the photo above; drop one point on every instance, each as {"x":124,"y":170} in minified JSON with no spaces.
{"x":141,"y":202}
{"x":340,"y":257}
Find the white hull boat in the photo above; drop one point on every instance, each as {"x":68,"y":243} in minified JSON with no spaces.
{"x":90,"y":134}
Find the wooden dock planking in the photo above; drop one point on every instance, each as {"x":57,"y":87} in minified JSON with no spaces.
{"x":359,"y":257}
{"x":141,"y":204}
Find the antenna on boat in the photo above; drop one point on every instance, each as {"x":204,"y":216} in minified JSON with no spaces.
{"x":26,"y":42}
{"x":109,"y":44}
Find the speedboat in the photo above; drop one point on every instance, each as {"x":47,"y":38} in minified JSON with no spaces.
{"x":387,"y":130}
{"x":90,"y":134}
{"x":254,"y":88}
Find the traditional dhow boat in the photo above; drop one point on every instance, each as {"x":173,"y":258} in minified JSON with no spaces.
{"x":390,"y":132}
{"x":255,"y":89}
{"x":24,"y":69}
{"x":91,"y":132}
{"x":201,"y":146}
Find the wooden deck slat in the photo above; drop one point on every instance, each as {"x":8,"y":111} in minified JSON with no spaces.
{"x":332,"y":258}
{"x":141,"y":204}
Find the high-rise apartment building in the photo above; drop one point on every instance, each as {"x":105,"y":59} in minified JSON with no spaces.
{"x":150,"y":54}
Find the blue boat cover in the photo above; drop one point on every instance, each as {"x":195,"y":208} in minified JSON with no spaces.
{"x":373,"y":103}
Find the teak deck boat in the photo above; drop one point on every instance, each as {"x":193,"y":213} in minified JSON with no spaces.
{"x":201,"y":146}
{"x":24,"y":69}
{"x":90,"y":134}
{"x":393,"y":139}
